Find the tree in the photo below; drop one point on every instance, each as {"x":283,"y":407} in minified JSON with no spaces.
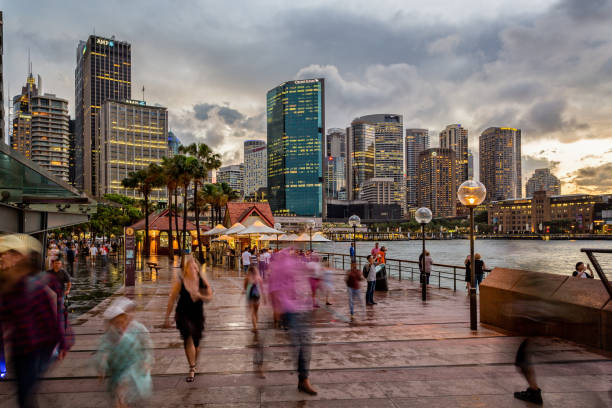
{"x":144,"y":181}
{"x":170,"y":179}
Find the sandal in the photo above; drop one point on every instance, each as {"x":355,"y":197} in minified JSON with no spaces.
{"x":192,"y":373}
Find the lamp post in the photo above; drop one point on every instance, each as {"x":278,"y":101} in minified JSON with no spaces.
{"x":311,"y":224}
{"x":277,"y":226}
{"x":423,"y":216}
{"x":354,"y":221}
{"x":471,"y":193}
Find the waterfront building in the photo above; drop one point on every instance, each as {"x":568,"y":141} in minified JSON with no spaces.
{"x":528,"y":214}
{"x":378,"y":190}
{"x":255,"y":166}
{"x":103,"y":71}
{"x":232,"y":175}
{"x":376,"y":149}
{"x":335,"y":176}
{"x":437,"y":181}
{"x":455,"y":137}
{"x":295,"y":123}
{"x":41,"y":128}
{"x":173,"y":143}
{"x":417,"y":140}
{"x":132,"y":135}
{"x":500,"y":163}
{"x":543,"y":180}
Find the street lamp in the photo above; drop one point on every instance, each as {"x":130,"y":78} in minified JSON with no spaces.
{"x":354,"y":221}
{"x":423,"y":217}
{"x":471,"y":193}
{"x":310,"y":224}
{"x":277,"y":226}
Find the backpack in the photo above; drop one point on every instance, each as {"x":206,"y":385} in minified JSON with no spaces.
{"x":366,"y":271}
{"x":255,"y":292}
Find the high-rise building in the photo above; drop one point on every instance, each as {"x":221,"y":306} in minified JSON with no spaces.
{"x":470,"y":166}
{"x":296,"y":119}
{"x":500,"y":162}
{"x":132,"y":135}
{"x":455,"y":137}
{"x":437,"y":181}
{"x":173,"y":143}
{"x":543,"y":180}
{"x":378,"y":190}
{"x":1,"y":82}
{"x":71,"y":152}
{"x":255,"y":166}
{"x":335,"y":175}
{"x":41,"y":128}
{"x":417,"y":140}
{"x":376,"y":149}
{"x":232,"y":175}
{"x":103,"y":72}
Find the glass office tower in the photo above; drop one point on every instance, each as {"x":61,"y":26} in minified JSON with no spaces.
{"x":296,"y":121}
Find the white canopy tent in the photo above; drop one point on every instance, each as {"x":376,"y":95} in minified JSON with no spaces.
{"x":257,"y":227}
{"x":219,"y":229}
{"x":234,"y":229}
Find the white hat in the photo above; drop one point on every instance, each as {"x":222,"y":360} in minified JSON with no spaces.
{"x":118,"y":307}
{"x":22,"y":243}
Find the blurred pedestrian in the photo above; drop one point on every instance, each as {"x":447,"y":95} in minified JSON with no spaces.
{"x":65,"y":284}
{"x":328,"y":281}
{"x":425,"y":266}
{"x":525,"y":367}
{"x":375,"y":250}
{"x":246,"y":259}
{"x":70,"y":257}
{"x":468,"y":273}
{"x":353,"y":279}
{"x":352,"y":253}
{"x":253,"y":288}
{"x":290,"y":288}
{"x":124,"y":355}
{"x":31,"y":313}
{"x":369,"y":273}
{"x":581,"y":271}
{"x":192,"y":289}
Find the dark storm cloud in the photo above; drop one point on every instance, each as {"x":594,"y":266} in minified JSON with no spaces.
{"x":202,"y":110}
{"x":586,"y":9}
{"x":594,"y":176}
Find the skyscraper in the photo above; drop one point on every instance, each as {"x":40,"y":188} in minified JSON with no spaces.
{"x":470,"y":166}
{"x":131,"y":136}
{"x":376,"y":149}
{"x":543,"y":180}
{"x":233,"y":175}
{"x":296,"y":119}
{"x":500,"y":162}
{"x":437,"y":181}
{"x":455,"y":137}
{"x":103,"y":72}
{"x":417,"y":140}
{"x":173,"y":143}
{"x":41,"y":128}
{"x":335,"y":175}
{"x":255,"y":166}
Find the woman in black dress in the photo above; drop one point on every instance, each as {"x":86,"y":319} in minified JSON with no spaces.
{"x":192,"y":290}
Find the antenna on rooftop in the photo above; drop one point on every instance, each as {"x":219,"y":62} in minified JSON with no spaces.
{"x":143,"y":89}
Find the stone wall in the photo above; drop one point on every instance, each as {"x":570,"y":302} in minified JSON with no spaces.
{"x":543,"y":304}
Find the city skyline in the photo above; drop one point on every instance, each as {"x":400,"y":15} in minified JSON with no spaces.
{"x":563,"y":128}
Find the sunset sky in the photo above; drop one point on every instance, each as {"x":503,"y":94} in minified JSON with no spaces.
{"x":544,"y":67}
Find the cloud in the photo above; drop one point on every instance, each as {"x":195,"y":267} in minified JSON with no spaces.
{"x":229,"y":115}
{"x":202,"y":110}
{"x":582,"y":10}
{"x":594,"y":177}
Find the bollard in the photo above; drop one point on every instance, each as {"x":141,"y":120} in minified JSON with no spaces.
{"x":400,"y":271}
{"x":454,"y":279}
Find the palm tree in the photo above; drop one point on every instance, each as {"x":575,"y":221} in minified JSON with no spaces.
{"x":187,"y":166}
{"x":211,"y":194}
{"x":170,"y":176}
{"x":144,"y":181}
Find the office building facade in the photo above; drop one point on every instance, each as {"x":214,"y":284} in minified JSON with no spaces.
{"x":335,"y":176}
{"x":543,"y":180}
{"x":173,"y":143}
{"x":41,"y":128}
{"x":255,"y":166}
{"x":233,"y":176}
{"x":438,"y":182}
{"x":376,"y":149}
{"x":295,"y":125}
{"x":103,"y":72}
{"x":500,"y":163}
{"x":455,"y":137}
{"x":2,"y":134}
{"x":132,"y":135}
{"x":417,"y":140}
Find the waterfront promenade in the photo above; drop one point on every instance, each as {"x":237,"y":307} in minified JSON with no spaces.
{"x":401,"y":353}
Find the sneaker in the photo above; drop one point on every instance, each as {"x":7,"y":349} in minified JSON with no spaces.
{"x":530,"y":395}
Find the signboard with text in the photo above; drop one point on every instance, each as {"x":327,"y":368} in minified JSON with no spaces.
{"x":129,"y":245}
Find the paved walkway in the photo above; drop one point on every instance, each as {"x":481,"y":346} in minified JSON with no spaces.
{"x":400,"y":353}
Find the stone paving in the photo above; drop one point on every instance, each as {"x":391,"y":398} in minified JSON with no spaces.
{"x":399,"y":353}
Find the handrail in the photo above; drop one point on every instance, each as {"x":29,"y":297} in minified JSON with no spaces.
{"x":602,"y":276}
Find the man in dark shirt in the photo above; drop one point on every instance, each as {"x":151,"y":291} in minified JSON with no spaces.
{"x":70,"y":255}
{"x":62,"y":276}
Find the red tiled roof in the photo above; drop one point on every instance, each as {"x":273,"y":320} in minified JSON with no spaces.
{"x":159,"y":221}
{"x":238,"y":212}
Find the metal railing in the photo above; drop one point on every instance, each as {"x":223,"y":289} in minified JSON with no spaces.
{"x":442,"y":275}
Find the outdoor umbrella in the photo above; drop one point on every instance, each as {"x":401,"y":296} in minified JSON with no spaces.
{"x":223,"y":238}
{"x":219,"y":229}
{"x":234,"y":229}
{"x":258,"y":227}
{"x":318,"y":237}
{"x":288,"y":238}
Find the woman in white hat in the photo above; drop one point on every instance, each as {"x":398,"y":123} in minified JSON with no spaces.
{"x":124,"y":355}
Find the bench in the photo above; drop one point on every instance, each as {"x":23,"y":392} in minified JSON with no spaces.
{"x":153,"y":265}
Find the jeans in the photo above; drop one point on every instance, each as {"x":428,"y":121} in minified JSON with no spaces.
{"x":299,"y":334}
{"x":370,"y":292}
{"x":245,"y":268}
{"x":28,"y":368}
{"x":353,"y":295}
